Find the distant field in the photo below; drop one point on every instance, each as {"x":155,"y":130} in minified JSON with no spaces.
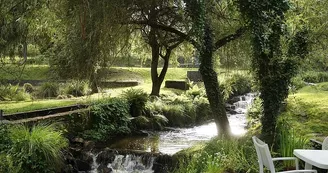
{"x":29,"y":72}
{"x":41,"y":72}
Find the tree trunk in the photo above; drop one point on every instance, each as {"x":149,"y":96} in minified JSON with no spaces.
{"x":158,"y":80}
{"x":93,"y":83}
{"x":212,"y":85}
{"x":154,"y":62}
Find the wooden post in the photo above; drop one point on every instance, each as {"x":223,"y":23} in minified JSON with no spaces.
{"x":1,"y":115}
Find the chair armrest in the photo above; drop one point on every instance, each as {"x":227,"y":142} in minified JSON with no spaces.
{"x":284,"y":158}
{"x":299,"y":171}
{"x":287,"y":158}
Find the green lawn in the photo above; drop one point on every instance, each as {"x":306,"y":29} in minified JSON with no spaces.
{"x":29,"y":72}
{"x":40,"y":72}
{"x":308,"y":110}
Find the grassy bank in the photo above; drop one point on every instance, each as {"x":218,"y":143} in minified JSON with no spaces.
{"x":307,"y":110}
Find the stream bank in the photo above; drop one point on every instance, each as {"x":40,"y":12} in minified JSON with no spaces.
{"x":156,"y":151}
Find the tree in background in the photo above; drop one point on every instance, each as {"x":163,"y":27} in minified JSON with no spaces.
{"x":312,"y":14}
{"x":92,"y":39}
{"x":17,"y":26}
{"x":150,"y":17}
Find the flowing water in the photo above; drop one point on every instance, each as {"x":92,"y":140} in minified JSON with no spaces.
{"x":174,"y":140}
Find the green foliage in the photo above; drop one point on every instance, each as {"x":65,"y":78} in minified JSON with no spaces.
{"x":4,"y":138}
{"x":28,"y":88}
{"x":13,"y":93}
{"x":307,"y":112}
{"x":159,"y":121}
{"x":176,"y":115}
{"x":110,"y":117}
{"x":76,"y":88}
{"x":315,"y":77}
{"x":237,"y":84}
{"x":7,"y":165}
{"x":195,"y":90}
{"x":221,"y":155}
{"x":48,"y":89}
{"x":137,"y":99}
{"x":141,"y":122}
{"x":288,"y":141}
{"x":273,"y":66}
{"x":36,"y":149}
{"x":297,"y":83}
{"x":182,"y":110}
{"x":254,"y":113}
{"x":203,"y":109}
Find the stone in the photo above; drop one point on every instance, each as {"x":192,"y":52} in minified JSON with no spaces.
{"x":194,"y":76}
{"x":87,"y":157}
{"x":88,"y":145}
{"x":106,"y":156}
{"x":182,"y":85}
{"x":82,"y":165}
{"x":104,"y":169}
{"x":78,"y":140}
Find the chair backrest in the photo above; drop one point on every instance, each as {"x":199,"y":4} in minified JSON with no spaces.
{"x":325,"y":144}
{"x":263,"y":154}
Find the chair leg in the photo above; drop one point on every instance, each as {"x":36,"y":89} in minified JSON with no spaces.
{"x":296,"y":164}
{"x":308,"y":166}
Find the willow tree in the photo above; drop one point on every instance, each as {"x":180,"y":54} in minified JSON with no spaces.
{"x":16,"y":26}
{"x":92,"y":38}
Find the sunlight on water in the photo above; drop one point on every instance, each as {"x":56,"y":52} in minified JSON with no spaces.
{"x":172,"y":141}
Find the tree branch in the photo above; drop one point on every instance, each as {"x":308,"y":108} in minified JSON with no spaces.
{"x":168,"y":29}
{"x":223,"y":41}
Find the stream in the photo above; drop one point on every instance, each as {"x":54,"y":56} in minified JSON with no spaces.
{"x":173,"y":140}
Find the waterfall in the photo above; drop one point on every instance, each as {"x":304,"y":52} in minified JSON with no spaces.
{"x":127,"y":164}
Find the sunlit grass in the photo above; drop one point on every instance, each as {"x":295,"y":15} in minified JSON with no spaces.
{"x":29,"y":72}
{"x":308,"y":110}
{"x":40,"y":72}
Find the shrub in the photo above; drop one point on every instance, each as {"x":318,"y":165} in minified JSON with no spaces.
{"x":235,"y":85}
{"x":297,"y":83}
{"x":315,"y":77}
{"x":7,"y":165}
{"x":176,"y":115}
{"x":322,"y":86}
{"x":137,"y":99}
{"x":254,"y":112}
{"x":195,"y":91}
{"x":141,"y":122}
{"x":28,"y":88}
{"x":37,"y":149}
{"x":159,"y":121}
{"x":49,"y":89}
{"x":288,"y":140}
{"x":76,"y":88}
{"x":4,"y":138}
{"x":12,"y":93}
{"x":110,"y":117}
{"x":221,"y":155}
{"x":203,"y":110}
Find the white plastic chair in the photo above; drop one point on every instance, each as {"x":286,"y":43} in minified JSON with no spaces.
{"x":325,"y":144}
{"x":265,"y":159}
